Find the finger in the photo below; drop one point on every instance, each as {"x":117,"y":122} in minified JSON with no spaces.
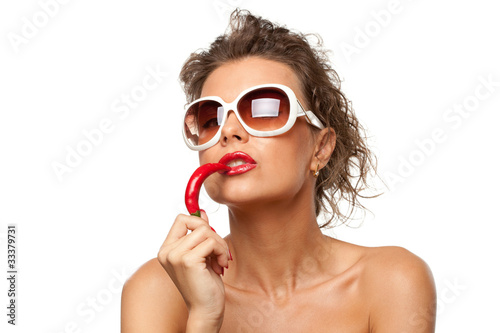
{"x":210,"y":247}
{"x":181,"y":225}
{"x":200,"y":234}
{"x":204,"y":215}
{"x":185,"y":243}
{"x":214,"y":266}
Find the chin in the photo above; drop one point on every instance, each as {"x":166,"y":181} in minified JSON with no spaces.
{"x":253,"y":197}
{"x":235,"y":198}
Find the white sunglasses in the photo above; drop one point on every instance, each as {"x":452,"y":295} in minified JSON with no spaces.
{"x":264,"y":110}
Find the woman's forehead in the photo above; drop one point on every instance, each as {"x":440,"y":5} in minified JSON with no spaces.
{"x":230,"y":79}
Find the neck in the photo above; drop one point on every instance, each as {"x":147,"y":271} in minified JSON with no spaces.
{"x":276,"y":249}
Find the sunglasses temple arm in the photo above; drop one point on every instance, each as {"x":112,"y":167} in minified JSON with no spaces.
{"x":310,"y":116}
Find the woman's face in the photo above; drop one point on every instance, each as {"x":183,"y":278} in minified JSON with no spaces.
{"x":283,"y":162}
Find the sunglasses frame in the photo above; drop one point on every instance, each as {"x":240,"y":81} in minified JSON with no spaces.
{"x":296,"y":110}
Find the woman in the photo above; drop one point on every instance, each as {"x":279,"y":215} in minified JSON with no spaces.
{"x":276,"y":271}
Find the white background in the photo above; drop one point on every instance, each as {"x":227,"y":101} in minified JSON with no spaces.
{"x":81,"y":236}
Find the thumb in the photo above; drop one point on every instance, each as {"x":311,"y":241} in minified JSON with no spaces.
{"x":204,"y":215}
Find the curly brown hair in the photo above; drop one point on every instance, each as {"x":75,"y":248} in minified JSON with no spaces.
{"x":346,"y":173}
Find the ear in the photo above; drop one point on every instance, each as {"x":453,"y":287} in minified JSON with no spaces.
{"x":324,"y":147}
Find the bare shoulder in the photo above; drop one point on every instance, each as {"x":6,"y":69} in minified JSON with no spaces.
{"x":395,"y":262}
{"x":151,"y":302}
{"x":401,"y":290}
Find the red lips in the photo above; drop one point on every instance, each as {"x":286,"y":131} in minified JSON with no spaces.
{"x":239,"y":156}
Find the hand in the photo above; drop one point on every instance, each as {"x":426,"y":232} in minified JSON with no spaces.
{"x":194,"y":262}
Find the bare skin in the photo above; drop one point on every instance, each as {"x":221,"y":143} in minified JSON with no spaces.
{"x":285,"y":276}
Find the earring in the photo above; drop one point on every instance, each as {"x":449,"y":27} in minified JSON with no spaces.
{"x":316,"y":174}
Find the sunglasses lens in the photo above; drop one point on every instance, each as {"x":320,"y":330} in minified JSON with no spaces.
{"x":202,"y":121}
{"x":265,"y":109}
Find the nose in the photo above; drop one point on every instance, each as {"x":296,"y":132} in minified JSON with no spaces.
{"x":233,"y":131}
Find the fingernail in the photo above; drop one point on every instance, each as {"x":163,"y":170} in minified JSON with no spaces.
{"x":222,"y":271}
{"x":230,"y":255}
{"x":213,"y":229}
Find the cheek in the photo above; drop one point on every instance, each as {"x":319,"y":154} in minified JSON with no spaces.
{"x":297,"y":149}
{"x":289,"y":157}
{"x":204,"y":156}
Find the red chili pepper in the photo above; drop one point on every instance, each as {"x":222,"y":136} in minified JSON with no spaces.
{"x":195,"y":182}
